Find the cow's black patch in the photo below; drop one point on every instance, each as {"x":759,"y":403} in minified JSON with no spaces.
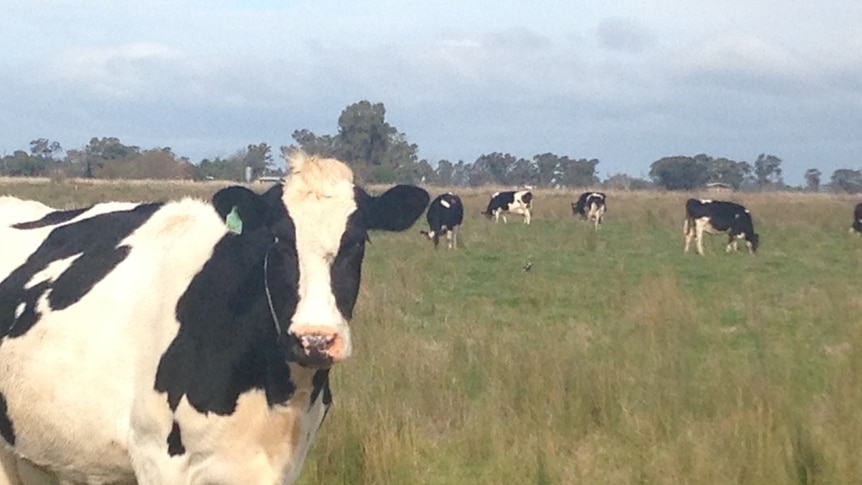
{"x":502,"y":200}
{"x":175,"y":441}
{"x":227,"y":343}
{"x":93,"y":242}
{"x":346,"y":270}
{"x":320,"y":383}
{"x":51,"y":219}
{"x":7,"y":431}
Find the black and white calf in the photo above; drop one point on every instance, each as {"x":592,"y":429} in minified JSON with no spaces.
{"x":857,"y":219}
{"x":714,"y":216}
{"x":182,"y":342}
{"x":516,"y":202}
{"x":591,"y":206}
{"x":444,"y":216}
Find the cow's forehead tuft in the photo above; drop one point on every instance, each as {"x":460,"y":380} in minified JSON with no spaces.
{"x":317,"y":177}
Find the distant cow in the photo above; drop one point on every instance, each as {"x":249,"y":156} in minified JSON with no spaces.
{"x":516,"y":202}
{"x":444,"y":216}
{"x":182,"y":342}
{"x":591,"y":206}
{"x":714,"y":216}
{"x":857,"y":219}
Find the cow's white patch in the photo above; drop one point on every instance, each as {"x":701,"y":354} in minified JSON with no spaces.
{"x":52,"y":271}
{"x":19,"y":310}
{"x":444,"y":203}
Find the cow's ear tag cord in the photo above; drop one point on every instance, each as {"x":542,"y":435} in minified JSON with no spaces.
{"x":269,"y":296}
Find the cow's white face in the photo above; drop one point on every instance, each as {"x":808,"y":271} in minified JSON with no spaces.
{"x":320,"y":200}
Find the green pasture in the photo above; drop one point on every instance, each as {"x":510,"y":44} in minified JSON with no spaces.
{"x":616,"y":359}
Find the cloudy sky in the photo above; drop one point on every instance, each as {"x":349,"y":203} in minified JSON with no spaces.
{"x":623,"y":81}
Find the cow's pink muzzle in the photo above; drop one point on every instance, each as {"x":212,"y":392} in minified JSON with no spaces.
{"x":321,"y":346}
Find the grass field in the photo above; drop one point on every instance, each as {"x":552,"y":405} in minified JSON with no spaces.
{"x":615,"y":360}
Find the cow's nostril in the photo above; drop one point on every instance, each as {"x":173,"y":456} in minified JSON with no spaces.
{"x":317,"y":343}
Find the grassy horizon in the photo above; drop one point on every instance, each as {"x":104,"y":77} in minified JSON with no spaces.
{"x":616,"y":360}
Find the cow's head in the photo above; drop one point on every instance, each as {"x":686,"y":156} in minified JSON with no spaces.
{"x":753,"y":241}
{"x":317,"y":222}
{"x":431,"y":236}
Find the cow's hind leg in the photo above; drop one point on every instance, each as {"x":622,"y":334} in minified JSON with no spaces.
{"x":687,"y":234}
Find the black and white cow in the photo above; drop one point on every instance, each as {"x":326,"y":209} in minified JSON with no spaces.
{"x":444,"y":216}
{"x":714,"y":216}
{"x":591,"y":206}
{"x":182,"y":342}
{"x":857,"y":219}
{"x":516,"y":202}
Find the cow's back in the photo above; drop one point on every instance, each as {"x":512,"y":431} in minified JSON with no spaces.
{"x":103,"y":288}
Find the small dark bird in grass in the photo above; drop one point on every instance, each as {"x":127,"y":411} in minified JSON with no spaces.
{"x":528,"y":266}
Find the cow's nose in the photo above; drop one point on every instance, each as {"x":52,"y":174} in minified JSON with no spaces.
{"x":322,"y":346}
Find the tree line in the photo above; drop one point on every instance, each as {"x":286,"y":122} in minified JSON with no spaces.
{"x":379,"y":153}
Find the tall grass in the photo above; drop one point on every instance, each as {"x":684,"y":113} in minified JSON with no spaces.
{"x":616,"y":359}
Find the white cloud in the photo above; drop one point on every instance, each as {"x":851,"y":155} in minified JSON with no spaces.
{"x":620,"y":34}
{"x":120,"y":72}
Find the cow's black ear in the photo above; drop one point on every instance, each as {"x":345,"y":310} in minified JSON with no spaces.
{"x":240,"y":203}
{"x":394,"y":210}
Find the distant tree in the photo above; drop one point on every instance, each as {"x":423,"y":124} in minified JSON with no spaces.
{"x":363,"y":133}
{"x":578,"y":173}
{"x":375,"y":150}
{"x":306,"y":140}
{"x":767,"y":170}
{"x":727,"y":171}
{"x":422,"y":173}
{"x":522,"y":172}
{"x":679,"y":173}
{"x":399,"y":163}
{"x":445,"y":171}
{"x":812,"y":180}
{"x":492,"y":169}
{"x":551,"y":169}
{"x":847,"y":180}
{"x":259,"y":158}
{"x":461,"y":173}
{"x":87,"y":161}
{"x":622,"y":181}
{"x":47,"y":149}
{"x":548,"y":169}
{"x":157,"y":163}
{"x":219,"y":169}
{"x":22,"y":164}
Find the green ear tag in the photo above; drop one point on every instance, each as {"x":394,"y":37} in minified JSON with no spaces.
{"x":233,"y":221}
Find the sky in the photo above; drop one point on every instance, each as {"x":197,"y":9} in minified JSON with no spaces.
{"x":624,"y":82}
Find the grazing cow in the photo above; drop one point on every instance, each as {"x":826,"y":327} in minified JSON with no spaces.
{"x":182,"y":342}
{"x":714,"y":216}
{"x":590,"y":205}
{"x":516,"y":202}
{"x":857,"y":219}
{"x":445,"y":215}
